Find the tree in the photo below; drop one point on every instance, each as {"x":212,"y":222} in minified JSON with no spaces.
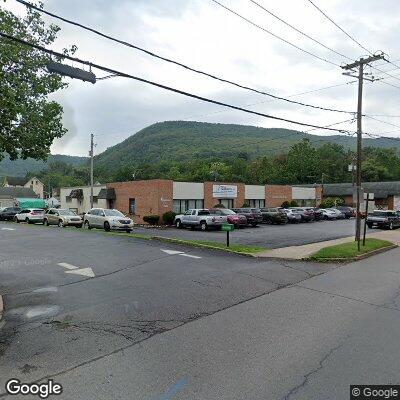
{"x":29,"y":122}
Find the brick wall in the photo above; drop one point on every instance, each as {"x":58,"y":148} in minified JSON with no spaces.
{"x":210,"y":201}
{"x":275,"y":195}
{"x":152,"y":197}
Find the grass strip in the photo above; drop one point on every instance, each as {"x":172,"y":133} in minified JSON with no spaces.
{"x":349,"y":250}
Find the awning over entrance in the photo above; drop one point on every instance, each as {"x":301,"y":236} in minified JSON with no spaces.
{"x":107,"y":194}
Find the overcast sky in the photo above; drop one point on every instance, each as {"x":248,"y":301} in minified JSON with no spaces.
{"x":203,"y":35}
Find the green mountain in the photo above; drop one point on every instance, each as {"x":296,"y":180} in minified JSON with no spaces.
{"x":21,"y":167}
{"x":182,"y":140}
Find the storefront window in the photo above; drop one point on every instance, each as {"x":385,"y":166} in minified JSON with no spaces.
{"x":256,"y":203}
{"x":180,"y":206}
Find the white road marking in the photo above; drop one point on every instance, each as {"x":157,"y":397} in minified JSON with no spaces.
{"x":7,"y":229}
{"x":68,"y":266}
{"x":189,"y":255}
{"x":82,"y":271}
{"x":172,"y":252}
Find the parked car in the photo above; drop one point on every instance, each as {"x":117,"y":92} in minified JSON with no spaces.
{"x":306,"y":214}
{"x":318,"y":216}
{"x":107,"y":220}
{"x":8,"y":213}
{"x":29,"y":215}
{"x":339,"y":214}
{"x":253,"y":215}
{"x":239,"y":220}
{"x":347,"y":211}
{"x":328,"y":214}
{"x":293,"y":216}
{"x":383,"y":219}
{"x":199,"y":218}
{"x":274,"y":216}
{"x":62,"y":218}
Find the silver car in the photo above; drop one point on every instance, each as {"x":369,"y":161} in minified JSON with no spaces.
{"x":107,"y":219}
{"x":62,"y":218}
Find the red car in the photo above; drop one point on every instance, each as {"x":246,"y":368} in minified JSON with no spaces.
{"x":231,"y":217}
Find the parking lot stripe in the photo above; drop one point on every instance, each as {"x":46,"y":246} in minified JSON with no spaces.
{"x":172,"y":252}
{"x":68,"y":266}
{"x":82,"y":271}
{"x":7,"y":229}
{"x":189,"y":255}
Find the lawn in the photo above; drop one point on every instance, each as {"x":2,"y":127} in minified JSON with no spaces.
{"x":349,"y":250}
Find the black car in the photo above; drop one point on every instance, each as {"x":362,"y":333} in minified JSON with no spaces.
{"x":274,"y":216}
{"x":347,"y":211}
{"x":253,"y":215}
{"x":383,"y":219}
{"x":9,"y":213}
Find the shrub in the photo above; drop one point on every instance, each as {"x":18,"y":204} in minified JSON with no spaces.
{"x":151,"y":219}
{"x":285,"y":204}
{"x":330,"y":202}
{"x":245,"y":205}
{"x":219,"y":205}
{"x":168,"y":217}
{"x":294,"y":203}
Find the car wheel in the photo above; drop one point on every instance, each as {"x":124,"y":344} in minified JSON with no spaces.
{"x":370,"y":226}
{"x":78,"y":226}
{"x":16,"y":220}
{"x":61,"y":224}
{"x":391,"y":226}
{"x":203,"y":225}
{"x":178,"y":224}
{"x":107,"y":226}
{"x":46,"y":222}
{"x":129,"y":231}
{"x":27,"y":220}
{"x":254,"y":224}
{"x":86,"y":225}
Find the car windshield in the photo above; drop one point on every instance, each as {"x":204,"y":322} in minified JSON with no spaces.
{"x":384,"y":214}
{"x":65,"y":212}
{"x":227,"y":211}
{"x":113,"y":213}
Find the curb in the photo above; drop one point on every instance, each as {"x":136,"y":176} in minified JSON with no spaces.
{"x":351,"y":259}
{"x":1,"y":308}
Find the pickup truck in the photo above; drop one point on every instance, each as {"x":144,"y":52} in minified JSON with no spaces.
{"x":383,"y":219}
{"x":198,"y":218}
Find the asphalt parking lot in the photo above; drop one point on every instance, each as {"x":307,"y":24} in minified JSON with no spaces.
{"x":72,"y":296}
{"x":269,"y":236}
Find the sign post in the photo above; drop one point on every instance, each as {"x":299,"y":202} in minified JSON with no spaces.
{"x":367,"y":199}
{"x":227,"y":228}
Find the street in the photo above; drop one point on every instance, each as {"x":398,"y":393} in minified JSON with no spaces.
{"x":156,"y":321}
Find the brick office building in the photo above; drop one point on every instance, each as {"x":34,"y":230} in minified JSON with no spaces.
{"x":156,"y":196}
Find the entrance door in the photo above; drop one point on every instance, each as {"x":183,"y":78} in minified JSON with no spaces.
{"x":227,"y":203}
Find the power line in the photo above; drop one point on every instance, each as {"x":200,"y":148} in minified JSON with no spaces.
{"x":192,"y":69}
{"x":298,"y":30}
{"x":168,"y":88}
{"x":274,"y":35}
{"x":383,"y":122}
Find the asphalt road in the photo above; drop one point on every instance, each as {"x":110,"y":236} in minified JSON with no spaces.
{"x":269,"y":236}
{"x":57,"y":319}
{"x":153,"y":325}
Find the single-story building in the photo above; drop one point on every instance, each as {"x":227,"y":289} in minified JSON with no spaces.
{"x":156,"y":196}
{"x":78,"y":198}
{"x":9,"y":195}
{"x":386,"y":194}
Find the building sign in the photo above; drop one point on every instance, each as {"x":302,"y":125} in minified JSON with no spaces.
{"x":224,"y":191}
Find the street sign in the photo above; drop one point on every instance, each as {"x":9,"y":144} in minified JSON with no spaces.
{"x":370,"y":197}
{"x":72,"y":72}
{"x":227,"y":227}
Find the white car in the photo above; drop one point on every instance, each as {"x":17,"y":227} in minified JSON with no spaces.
{"x":107,"y":219}
{"x":328,"y":214}
{"x":30,"y":215}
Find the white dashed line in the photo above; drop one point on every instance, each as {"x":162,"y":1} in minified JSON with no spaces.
{"x":68,"y":266}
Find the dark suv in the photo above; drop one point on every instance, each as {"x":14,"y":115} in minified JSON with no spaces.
{"x":383,"y":219}
{"x":9,"y":213}
{"x":274,"y":216}
{"x":253,"y":215}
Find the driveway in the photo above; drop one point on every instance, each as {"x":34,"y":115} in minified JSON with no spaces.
{"x":269,"y":236}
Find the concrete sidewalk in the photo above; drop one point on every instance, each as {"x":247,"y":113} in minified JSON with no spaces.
{"x":305,"y":251}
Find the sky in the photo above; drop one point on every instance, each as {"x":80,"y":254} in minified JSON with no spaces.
{"x":203,"y":35}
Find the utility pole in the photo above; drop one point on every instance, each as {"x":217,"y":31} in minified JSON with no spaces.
{"x":91,"y":169}
{"x":360,"y":65}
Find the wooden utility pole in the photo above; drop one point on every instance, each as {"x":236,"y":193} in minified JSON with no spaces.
{"x":91,"y":169}
{"x":360,"y":65}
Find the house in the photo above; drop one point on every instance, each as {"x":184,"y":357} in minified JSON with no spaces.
{"x":78,"y":198}
{"x":33,"y":183}
{"x":9,"y":195}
